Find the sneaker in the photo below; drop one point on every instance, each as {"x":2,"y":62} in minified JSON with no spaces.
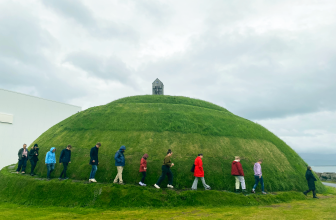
{"x":237,"y":191}
{"x":156,"y":186}
{"x":121,"y":183}
{"x":60,"y":178}
{"x":144,"y":184}
{"x":209,"y":188}
{"x":17,"y":172}
{"x":315,"y":197}
{"x":170,"y":186}
{"x":93,"y":180}
{"x":23,"y":172}
{"x":66,"y":178}
{"x":252,"y":191}
{"x":305,"y":193}
{"x":263,"y":192}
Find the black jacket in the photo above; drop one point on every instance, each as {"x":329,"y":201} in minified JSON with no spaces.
{"x":65,"y":156}
{"x":311,"y":179}
{"x":32,"y":154}
{"x":94,"y":155}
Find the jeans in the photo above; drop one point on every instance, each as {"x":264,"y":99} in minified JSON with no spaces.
{"x":119,"y":175}
{"x":65,"y":167}
{"x":93,"y":171}
{"x":50,"y":167}
{"x":241,"y":180}
{"x":32,"y":166}
{"x":257,"y":179}
{"x":194,"y":185}
{"x":143,"y":177}
{"x":23,"y":164}
{"x":165,"y":171}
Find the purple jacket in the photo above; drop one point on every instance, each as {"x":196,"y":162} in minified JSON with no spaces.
{"x":257,"y":169}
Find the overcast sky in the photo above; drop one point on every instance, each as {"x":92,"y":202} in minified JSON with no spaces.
{"x":273,"y":62}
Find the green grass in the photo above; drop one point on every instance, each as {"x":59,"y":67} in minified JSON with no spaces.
{"x":323,"y":208}
{"x":153,"y":124}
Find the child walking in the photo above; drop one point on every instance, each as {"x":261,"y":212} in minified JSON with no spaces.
{"x":143,"y":169}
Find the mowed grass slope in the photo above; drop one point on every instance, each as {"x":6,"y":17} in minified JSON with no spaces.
{"x":153,"y":124}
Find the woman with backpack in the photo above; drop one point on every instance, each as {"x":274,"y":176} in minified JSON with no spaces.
{"x":199,"y":173}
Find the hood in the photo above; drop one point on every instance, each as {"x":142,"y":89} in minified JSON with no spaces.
{"x":122,"y":148}
{"x":145,"y":156}
{"x":235,"y":161}
{"x":51,"y":149}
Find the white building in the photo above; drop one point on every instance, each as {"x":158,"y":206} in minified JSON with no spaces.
{"x":23,"y":118}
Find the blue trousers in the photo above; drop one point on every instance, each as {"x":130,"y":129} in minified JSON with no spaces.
{"x":23,"y":164}
{"x":50,"y":168}
{"x":257,"y":180}
{"x":93,"y":171}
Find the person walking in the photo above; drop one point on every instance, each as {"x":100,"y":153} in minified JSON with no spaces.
{"x":23,"y":156}
{"x":143,"y":169}
{"x":94,"y":162}
{"x":50,"y":161}
{"x":199,"y":173}
{"x":311,"y":182}
{"x":167,"y":164}
{"x":65,"y":158}
{"x":258,"y":177}
{"x":119,"y":163}
{"x":238,"y":173}
{"x":33,"y":158}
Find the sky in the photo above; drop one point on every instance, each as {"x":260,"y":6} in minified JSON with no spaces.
{"x":272,"y":62}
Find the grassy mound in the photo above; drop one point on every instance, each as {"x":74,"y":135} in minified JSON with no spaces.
{"x":153,"y":124}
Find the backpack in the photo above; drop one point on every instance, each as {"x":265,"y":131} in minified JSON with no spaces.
{"x":192,"y":168}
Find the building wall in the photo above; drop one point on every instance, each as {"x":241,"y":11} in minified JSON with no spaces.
{"x":158,"y":83}
{"x":31,"y":116}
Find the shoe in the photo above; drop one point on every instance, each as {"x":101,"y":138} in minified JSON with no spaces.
{"x":252,"y":191}
{"x":209,"y":188}
{"x":315,"y":197}
{"x":60,"y":178}
{"x":140,"y":183}
{"x":170,"y":186}
{"x":156,"y":186}
{"x":237,"y":191}
{"x":305,"y":193}
{"x":264,"y":193}
{"x":144,"y":184}
{"x":244,"y":191}
{"x":17,"y":172}
{"x":93,"y":180}
{"x":23,"y":172}
{"x":121,"y":183}
{"x":66,"y":178}
{"x":193,"y":189}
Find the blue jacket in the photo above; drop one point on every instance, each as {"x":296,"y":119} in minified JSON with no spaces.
{"x":119,"y":157}
{"x":50,"y":156}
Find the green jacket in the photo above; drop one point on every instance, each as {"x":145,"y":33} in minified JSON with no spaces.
{"x":20,"y":153}
{"x":167,"y":161}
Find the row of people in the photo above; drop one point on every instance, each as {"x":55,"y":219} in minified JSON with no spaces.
{"x":65,"y":159}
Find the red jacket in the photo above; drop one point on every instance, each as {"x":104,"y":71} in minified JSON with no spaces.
{"x":143,"y":165}
{"x":237,"y":169}
{"x":198,"y":172}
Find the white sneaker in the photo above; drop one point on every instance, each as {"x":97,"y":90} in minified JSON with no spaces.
{"x":90,"y":180}
{"x":93,"y":180}
{"x":144,"y":184}
{"x":156,"y":186}
{"x":170,"y":186}
{"x":140,"y":183}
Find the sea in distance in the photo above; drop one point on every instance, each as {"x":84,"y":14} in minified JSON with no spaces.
{"x":323,"y":169}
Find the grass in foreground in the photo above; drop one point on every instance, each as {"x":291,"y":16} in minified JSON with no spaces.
{"x":323,"y":208}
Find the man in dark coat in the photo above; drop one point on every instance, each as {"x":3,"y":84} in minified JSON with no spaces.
{"x":94,"y":162}
{"x":65,"y":158}
{"x":33,"y":158}
{"x":23,"y":156}
{"x":311,"y":182}
{"x":119,"y":163}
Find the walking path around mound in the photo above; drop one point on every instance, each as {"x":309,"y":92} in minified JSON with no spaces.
{"x":329,"y":184}
{"x":11,"y":169}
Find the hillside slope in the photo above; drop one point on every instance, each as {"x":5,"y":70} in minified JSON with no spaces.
{"x":153,"y":124}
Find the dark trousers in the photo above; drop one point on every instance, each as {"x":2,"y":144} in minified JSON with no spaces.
{"x":314,"y":192}
{"x":65,"y":167}
{"x":50,"y":167}
{"x":257,"y":180}
{"x":33,"y":165}
{"x":165,"y":172}
{"x":143,"y":177}
{"x":22,"y":164}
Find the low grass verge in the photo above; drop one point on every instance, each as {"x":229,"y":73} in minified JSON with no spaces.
{"x":26,"y":190}
{"x":323,"y":208}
